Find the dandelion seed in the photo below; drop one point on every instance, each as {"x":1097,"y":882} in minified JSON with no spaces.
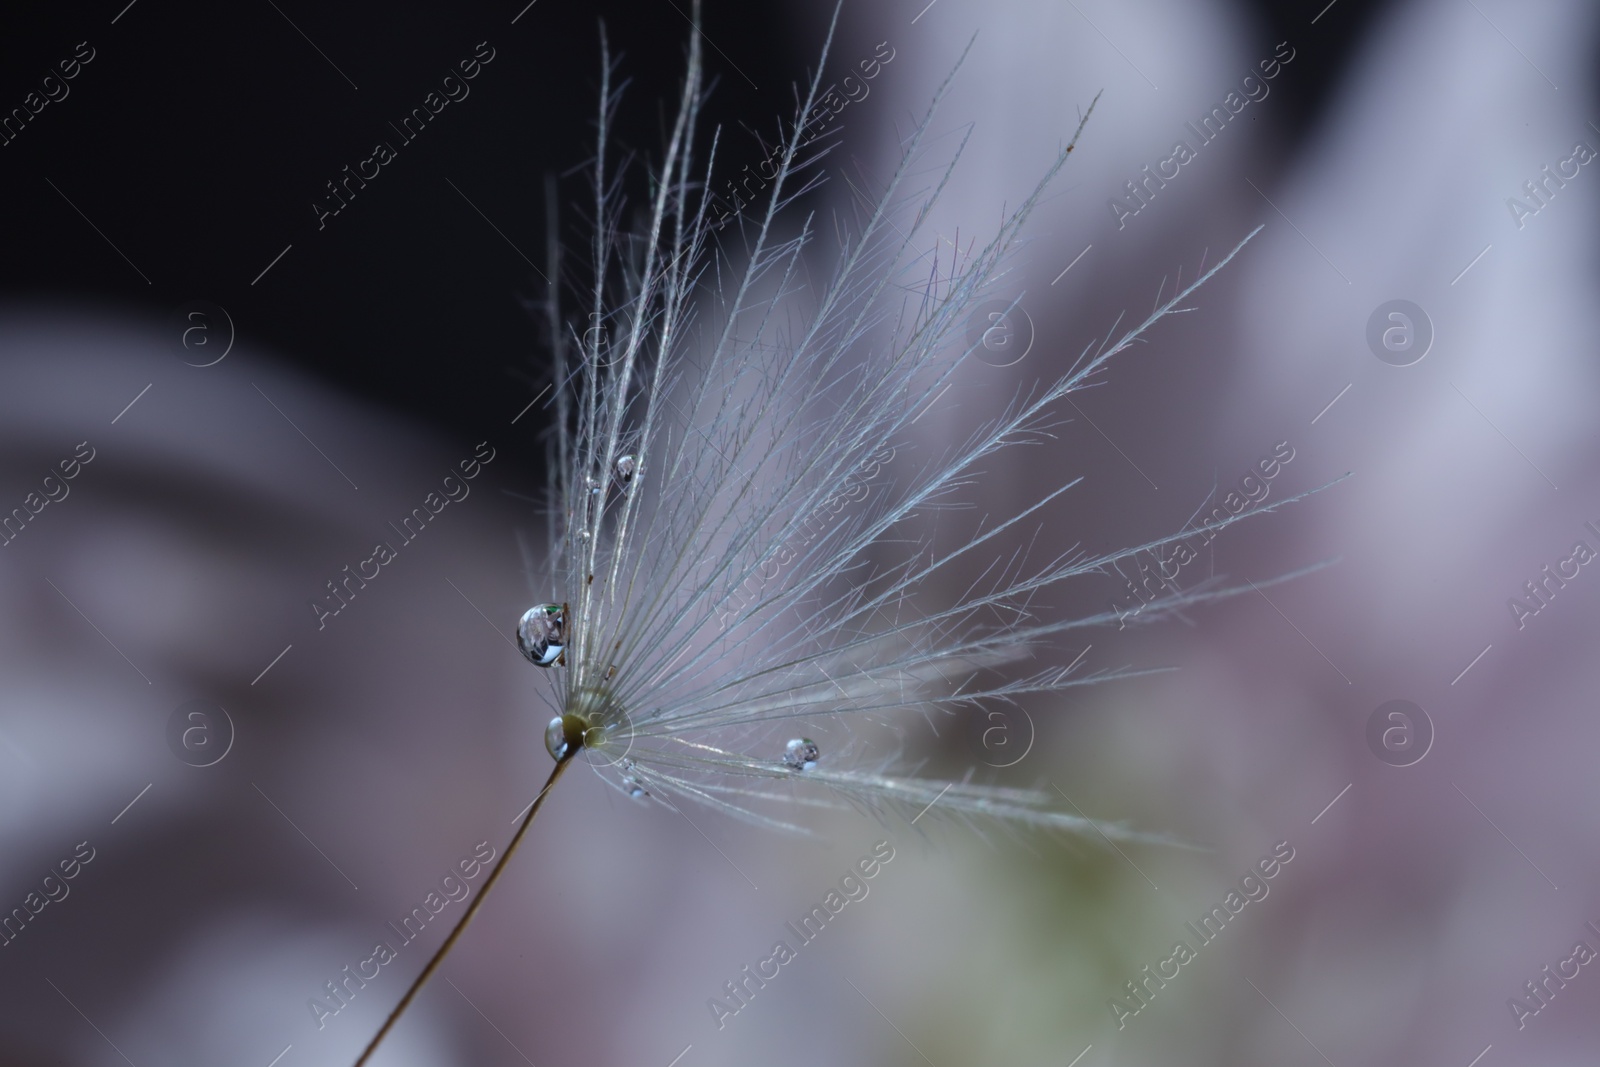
{"x":735,"y":597}
{"x":762,"y":579}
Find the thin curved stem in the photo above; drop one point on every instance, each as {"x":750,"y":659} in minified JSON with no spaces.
{"x":472,"y":909}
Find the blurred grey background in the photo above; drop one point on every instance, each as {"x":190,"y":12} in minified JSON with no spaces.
{"x":1431,"y":880}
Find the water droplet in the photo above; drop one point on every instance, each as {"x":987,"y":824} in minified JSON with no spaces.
{"x":594,"y":486}
{"x":542,"y":633}
{"x":801,"y":754}
{"x":555,"y":738}
{"x":625,"y":468}
{"x":630,"y":783}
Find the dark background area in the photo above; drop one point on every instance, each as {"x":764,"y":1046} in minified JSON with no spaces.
{"x":198,"y":139}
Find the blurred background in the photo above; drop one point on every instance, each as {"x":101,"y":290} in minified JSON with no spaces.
{"x":1417,"y":311}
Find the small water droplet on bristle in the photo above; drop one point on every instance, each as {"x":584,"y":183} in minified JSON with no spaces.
{"x":625,"y":468}
{"x":801,"y":754}
{"x":555,"y":738}
{"x":630,"y":783}
{"x":542,"y":633}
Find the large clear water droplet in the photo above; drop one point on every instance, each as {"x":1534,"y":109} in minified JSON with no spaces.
{"x":625,"y":468}
{"x":555,"y":738}
{"x":542,"y":633}
{"x":801,"y":754}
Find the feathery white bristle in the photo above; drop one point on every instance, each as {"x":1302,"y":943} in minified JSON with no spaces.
{"x":751,"y":570}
